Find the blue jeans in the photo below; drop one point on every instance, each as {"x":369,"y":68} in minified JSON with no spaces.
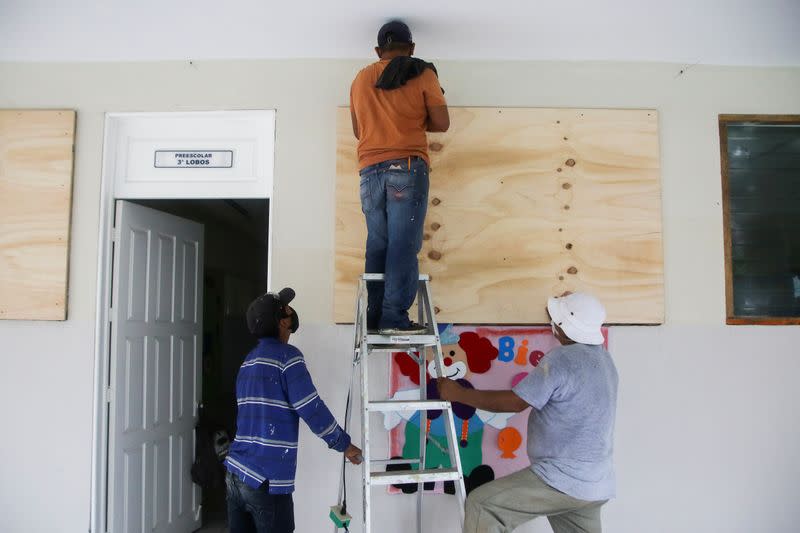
{"x":256,"y":510}
{"x":394,"y":199}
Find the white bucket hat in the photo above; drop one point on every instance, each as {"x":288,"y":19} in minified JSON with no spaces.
{"x":579,"y":315}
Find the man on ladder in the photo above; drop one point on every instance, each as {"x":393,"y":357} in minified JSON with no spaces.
{"x":393,"y":102}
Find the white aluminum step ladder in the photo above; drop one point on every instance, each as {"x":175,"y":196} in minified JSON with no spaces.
{"x":367,"y":343}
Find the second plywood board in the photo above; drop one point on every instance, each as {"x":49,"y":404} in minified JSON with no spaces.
{"x":525,"y":204}
{"x":35,"y":202}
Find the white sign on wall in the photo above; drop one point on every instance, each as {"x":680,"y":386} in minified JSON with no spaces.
{"x":239,"y":147}
{"x":193,"y":159}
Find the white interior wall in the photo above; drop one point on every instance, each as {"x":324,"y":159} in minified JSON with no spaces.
{"x":707,"y":430}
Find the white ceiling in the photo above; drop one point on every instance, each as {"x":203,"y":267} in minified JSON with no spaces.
{"x":727,"y":32}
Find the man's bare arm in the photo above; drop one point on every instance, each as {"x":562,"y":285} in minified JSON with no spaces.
{"x":354,"y":120}
{"x":494,"y":401}
{"x":438,"y":118}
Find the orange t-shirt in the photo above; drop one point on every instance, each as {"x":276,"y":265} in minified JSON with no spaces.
{"x":392,"y":123}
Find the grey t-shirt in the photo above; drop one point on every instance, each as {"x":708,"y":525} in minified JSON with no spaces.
{"x":573,"y":392}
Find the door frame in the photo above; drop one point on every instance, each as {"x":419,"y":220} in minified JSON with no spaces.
{"x":99,"y":482}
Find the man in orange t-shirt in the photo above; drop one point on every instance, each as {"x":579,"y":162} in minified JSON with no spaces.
{"x":393,"y":102}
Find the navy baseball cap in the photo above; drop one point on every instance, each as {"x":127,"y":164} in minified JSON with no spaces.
{"x":394,"y":31}
{"x":265,"y":311}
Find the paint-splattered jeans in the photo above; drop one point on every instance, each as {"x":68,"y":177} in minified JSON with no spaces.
{"x":256,"y":510}
{"x":394,"y":199}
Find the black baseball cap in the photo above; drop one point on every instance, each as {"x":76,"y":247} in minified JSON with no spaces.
{"x":394,"y":31}
{"x":264,"y":312}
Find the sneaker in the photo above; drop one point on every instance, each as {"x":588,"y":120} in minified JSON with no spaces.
{"x":411,"y":329}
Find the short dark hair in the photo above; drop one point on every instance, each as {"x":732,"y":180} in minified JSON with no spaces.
{"x":396,"y":46}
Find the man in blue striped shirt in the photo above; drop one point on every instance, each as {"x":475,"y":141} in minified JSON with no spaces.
{"x":274,"y":390}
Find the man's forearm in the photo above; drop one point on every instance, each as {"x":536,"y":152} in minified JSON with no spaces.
{"x":430,"y":127}
{"x":494,"y":401}
{"x":438,"y":119}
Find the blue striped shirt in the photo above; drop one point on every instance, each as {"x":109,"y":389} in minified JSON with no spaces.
{"x":273,"y":391}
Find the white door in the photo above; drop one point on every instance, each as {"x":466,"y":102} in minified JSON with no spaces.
{"x":156,"y":347}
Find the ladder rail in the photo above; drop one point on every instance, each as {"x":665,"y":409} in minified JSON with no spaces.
{"x":365,"y":452}
{"x":423,"y":395}
{"x":450,"y":429}
{"x":349,"y":408}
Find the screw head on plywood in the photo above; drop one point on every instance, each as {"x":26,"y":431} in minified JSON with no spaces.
{"x":570,"y":162}
{"x":435,"y":255}
{"x":436,"y":201}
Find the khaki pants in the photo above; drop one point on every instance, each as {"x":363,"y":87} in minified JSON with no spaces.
{"x":504,"y":504}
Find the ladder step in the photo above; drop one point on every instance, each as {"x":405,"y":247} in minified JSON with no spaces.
{"x":404,"y":405}
{"x":379,"y":277}
{"x":401,"y":340}
{"x":414,"y":476}
{"x":391,"y":348}
{"x":400,"y":461}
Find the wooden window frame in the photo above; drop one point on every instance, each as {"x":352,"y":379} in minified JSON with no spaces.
{"x":724,"y":121}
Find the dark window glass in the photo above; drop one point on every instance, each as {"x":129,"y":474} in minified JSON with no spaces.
{"x":761,"y":185}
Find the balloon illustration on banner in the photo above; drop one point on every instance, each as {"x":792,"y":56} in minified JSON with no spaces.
{"x":508,"y":441}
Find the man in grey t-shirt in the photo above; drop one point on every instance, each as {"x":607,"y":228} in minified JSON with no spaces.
{"x":573,"y":393}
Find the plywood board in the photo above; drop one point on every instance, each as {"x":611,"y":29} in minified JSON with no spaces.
{"x":36,"y":161}
{"x":525,"y":204}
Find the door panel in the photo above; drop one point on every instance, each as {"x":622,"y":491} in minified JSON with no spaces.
{"x":155,"y":371}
